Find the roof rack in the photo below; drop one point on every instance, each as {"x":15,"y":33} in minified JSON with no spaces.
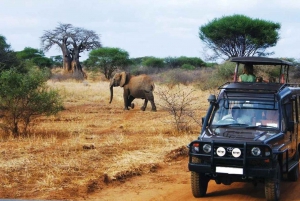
{"x":257,"y":87}
{"x":260,"y":61}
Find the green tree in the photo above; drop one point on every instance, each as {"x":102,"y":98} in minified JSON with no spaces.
{"x":24,"y":97}
{"x":29,"y":53}
{"x":239,"y":35}
{"x":154,"y":62}
{"x":8,"y":58}
{"x":34,"y":56}
{"x":107,"y":60}
{"x":177,"y":62}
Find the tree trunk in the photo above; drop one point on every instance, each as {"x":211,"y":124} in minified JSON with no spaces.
{"x":66,"y":58}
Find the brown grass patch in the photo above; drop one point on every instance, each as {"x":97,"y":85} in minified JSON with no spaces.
{"x":55,"y":163}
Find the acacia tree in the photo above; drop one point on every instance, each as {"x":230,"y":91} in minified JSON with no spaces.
{"x":72,"y":41}
{"x":108,"y":60}
{"x":8,"y":58}
{"x":35,"y":56}
{"x":239,"y":35}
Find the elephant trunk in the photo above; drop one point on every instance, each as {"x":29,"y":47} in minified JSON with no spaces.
{"x":111,"y":86}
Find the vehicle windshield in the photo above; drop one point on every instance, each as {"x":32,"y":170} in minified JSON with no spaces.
{"x":246,"y":113}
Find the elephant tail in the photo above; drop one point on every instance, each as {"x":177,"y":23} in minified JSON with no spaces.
{"x":152,"y":87}
{"x":111,"y":92}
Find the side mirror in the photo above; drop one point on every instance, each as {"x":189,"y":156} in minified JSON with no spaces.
{"x":290,"y":126}
{"x":212,"y":98}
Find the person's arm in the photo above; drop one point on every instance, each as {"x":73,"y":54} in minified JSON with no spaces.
{"x":240,"y":79}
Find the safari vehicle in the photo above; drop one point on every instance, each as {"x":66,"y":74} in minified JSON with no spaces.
{"x":238,"y":144}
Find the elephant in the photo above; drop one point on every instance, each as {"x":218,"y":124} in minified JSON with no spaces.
{"x":141,"y":86}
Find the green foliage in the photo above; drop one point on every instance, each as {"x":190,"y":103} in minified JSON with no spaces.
{"x":217,"y":76}
{"x":154,"y":62}
{"x":139,"y":60}
{"x":194,"y":61}
{"x":225,"y":71}
{"x":107,"y":60}
{"x":34,"y":56}
{"x":24,"y":97}
{"x":30,"y":53}
{"x":211,"y":64}
{"x":8,"y":58}
{"x":188,"y":67}
{"x":180,"y":61}
{"x":239,"y":35}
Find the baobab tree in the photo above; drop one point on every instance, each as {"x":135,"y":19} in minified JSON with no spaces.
{"x":72,"y":41}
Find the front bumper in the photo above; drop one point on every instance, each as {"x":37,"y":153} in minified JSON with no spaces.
{"x":246,"y":172}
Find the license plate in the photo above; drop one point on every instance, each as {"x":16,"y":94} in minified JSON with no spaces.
{"x":229,"y":170}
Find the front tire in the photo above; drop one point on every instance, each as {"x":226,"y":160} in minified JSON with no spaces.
{"x":199,"y":181}
{"x":272,"y":186}
{"x":199,"y":184}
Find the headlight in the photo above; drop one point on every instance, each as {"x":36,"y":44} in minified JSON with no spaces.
{"x":196,"y":147}
{"x":206,"y":148}
{"x":236,"y":152}
{"x":255,"y":151}
{"x":221,"y":151}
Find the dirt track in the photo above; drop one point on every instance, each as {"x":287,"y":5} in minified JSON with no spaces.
{"x":172,"y":182}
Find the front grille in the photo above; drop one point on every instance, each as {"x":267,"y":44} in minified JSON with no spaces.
{"x":228,"y":149}
{"x":244,"y":160}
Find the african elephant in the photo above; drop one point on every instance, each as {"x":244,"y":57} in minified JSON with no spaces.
{"x":140,"y":86}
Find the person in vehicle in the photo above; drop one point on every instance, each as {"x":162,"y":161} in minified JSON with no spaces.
{"x":259,"y":79}
{"x":271,"y":117}
{"x":247,"y":75}
{"x":240,"y":116}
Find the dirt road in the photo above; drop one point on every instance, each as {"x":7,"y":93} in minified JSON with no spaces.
{"x":172,"y":182}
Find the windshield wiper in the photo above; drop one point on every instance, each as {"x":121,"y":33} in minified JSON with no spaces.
{"x":261,"y":126}
{"x":228,"y":125}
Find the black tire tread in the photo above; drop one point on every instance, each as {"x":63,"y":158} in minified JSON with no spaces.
{"x":271,"y":186}
{"x":199,"y":182}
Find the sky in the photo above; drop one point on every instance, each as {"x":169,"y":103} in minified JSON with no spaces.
{"x":159,"y":28}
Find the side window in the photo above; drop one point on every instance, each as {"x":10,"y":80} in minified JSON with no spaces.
{"x":287,"y":114}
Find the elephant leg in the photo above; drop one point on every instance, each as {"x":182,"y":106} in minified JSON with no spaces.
{"x":150,"y":97}
{"x":143,"y":108}
{"x":153,"y":105}
{"x":129,"y":103}
{"x":126,"y":99}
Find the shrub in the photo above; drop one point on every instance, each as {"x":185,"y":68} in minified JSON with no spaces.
{"x":188,"y":67}
{"x":178,"y":62}
{"x":179,"y":103}
{"x":154,"y":62}
{"x":24,"y":97}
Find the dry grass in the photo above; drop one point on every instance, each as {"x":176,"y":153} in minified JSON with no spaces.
{"x":90,"y":144}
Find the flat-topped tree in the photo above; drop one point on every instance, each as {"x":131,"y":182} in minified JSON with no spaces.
{"x":72,"y":41}
{"x":239,"y":36}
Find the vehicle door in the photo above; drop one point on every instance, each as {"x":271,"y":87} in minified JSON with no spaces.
{"x":290,"y":124}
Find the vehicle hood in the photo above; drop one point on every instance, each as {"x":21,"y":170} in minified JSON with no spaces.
{"x":240,"y":134}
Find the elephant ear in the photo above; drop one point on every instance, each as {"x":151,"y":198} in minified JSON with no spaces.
{"x":123,"y":79}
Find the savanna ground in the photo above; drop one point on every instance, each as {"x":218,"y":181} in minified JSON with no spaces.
{"x":91,"y":145}
{"x":94,"y":150}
